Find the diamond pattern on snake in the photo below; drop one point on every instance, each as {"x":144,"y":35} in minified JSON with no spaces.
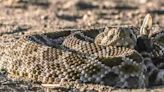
{"x":109,"y":56}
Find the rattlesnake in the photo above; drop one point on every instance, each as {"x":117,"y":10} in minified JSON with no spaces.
{"x":75,"y":56}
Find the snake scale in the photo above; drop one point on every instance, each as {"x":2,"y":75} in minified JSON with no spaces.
{"x":112,"y":56}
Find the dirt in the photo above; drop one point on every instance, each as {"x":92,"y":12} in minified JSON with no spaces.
{"x":22,"y":17}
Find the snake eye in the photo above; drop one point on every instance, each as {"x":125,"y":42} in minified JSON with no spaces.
{"x":111,"y":36}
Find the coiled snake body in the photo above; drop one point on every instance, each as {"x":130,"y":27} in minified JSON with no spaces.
{"x":78,"y":56}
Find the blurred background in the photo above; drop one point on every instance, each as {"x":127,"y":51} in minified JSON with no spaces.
{"x":48,"y":15}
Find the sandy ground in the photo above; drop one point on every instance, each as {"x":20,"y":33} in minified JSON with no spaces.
{"x":22,"y":17}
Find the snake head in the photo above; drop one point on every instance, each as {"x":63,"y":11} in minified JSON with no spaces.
{"x":117,"y":36}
